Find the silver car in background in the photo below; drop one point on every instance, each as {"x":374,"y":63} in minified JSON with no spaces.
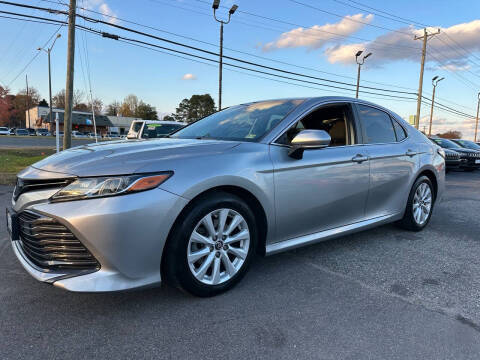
{"x":191,"y":209}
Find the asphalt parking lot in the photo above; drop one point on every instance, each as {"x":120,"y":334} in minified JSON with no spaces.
{"x":381,"y":294}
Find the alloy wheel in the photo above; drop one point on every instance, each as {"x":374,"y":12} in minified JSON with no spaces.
{"x":422,"y":203}
{"x":218,"y":246}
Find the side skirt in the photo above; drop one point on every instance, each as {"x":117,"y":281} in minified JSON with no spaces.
{"x":329,"y":234}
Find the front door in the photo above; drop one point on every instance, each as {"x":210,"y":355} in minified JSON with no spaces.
{"x":328,"y":187}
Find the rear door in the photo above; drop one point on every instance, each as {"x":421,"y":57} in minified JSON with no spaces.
{"x":392,"y":161}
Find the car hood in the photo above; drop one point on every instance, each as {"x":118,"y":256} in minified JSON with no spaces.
{"x":450,"y":151}
{"x":127,"y":156}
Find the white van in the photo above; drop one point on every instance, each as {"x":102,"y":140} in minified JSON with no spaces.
{"x":148,"y":129}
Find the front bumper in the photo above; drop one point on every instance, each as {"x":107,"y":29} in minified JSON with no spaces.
{"x":126,"y":234}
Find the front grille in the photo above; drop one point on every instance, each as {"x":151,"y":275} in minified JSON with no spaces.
{"x":25,"y":185}
{"x":51,"y":246}
{"x":452,"y":156}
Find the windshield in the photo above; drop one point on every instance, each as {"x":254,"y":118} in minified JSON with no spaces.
{"x":160,"y":130}
{"x":468,"y":144}
{"x":445,"y":143}
{"x":248,"y":122}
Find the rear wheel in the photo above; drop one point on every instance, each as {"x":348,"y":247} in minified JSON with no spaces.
{"x":419,"y":206}
{"x":211,"y":249}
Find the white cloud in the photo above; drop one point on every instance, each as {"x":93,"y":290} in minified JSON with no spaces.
{"x":109,"y":15}
{"x":318,"y":35}
{"x":189,"y":77}
{"x":102,"y":7}
{"x":394,"y":46}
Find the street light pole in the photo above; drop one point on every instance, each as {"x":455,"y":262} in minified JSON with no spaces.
{"x":476,"y":121}
{"x":215,"y":6}
{"x":359,"y":63}
{"x":435,"y":82}
{"x":48,"y":51}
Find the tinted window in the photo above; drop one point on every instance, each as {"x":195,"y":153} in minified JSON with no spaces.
{"x":377,"y":124}
{"x":160,"y":130}
{"x":399,"y":131}
{"x":445,"y":143}
{"x":468,"y":144}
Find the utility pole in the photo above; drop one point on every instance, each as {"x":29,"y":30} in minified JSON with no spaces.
{"x":48,"y":51}
{"x":28,"y":102}
{"x":215,"y":6}
{"x":425,"y":37}
{"x":67,"y":119}
{"x":476,"y":122}
{"x":435,"y":82}
{"x":360,"y":63}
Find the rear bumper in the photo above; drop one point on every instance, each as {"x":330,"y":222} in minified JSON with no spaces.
{"x":126,"y":234}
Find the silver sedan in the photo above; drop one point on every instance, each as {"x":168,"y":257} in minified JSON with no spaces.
{"x":192,"y":209}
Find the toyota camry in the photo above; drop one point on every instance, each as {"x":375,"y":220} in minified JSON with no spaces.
{"x":193,"y":208}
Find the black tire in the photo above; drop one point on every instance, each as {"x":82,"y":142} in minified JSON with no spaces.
{"x":176,"y":267}
{"x":408,"y":221}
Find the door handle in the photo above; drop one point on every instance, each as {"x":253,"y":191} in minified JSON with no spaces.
{"x":411,"y":153}
{"x":359,"y":158}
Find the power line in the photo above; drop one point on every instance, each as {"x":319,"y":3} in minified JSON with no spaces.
{"x":409,"y":21}
{"x":234,"y":50}
{"x":34,"y":57}
{"x":316,"y":30}
{"x":97,"y":32}
{"x":347,"y":18}
{"x":177,"y":43}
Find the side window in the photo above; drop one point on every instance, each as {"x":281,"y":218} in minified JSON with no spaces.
{"x":399,"y":131}
{"x":378,"y":125}
{"x":336,"y":120}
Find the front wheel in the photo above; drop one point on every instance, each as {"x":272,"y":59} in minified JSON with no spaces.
{"x":211,"y":248}
{"x":419,"y":206}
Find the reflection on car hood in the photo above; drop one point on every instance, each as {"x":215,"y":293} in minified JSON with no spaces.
{"x":127,"y":156}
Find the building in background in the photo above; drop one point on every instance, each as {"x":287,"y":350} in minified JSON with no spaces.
{"x":81,"y":121}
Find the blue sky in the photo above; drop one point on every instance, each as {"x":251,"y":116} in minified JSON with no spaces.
{"x":118,"y":69}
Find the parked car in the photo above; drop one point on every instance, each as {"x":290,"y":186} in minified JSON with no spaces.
{"x":78,"y":134}
{"x":92,"y":135}
{"x":453,"y":160}
{"x":4,"y":131}
{"x":12,"y":131}
{"x":60,"y":133}
{"x":148,"y":129}
{"x":467,"y":144}
{"x":22,"y":132}
{"x":193,"y":208}
{"x":471,"y":157}
{"x":43,"y":132}
{"x":31,"y":132}
{"x":112,"y":135}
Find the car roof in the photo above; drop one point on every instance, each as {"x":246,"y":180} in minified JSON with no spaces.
{"x":319,"y":99}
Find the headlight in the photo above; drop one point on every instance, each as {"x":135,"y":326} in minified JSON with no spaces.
{"x":441,"y":152}
{"x":94,"y":187}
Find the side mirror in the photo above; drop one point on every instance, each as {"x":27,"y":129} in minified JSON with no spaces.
{"x":308,"y":139}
